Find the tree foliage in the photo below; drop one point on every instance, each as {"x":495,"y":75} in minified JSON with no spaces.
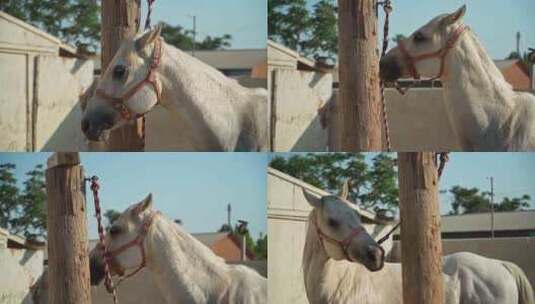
{"x":311,"y":31}
{"x":183,"y":39}
{"x":111,"y":216}
{"x":371,"y":186}
{"x":471,"y":200}
{"x":23,"y":211}
{"x":76,"y":22}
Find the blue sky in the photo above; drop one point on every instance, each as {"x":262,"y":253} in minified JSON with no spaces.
{"x":514,"y":174}
{"x":245,"y":20}
{"x":193,"y":187}
{"x":494,"y":21}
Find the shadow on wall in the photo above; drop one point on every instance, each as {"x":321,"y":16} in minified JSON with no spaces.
{"x":68,"y":135}
{"x":312,"y":139}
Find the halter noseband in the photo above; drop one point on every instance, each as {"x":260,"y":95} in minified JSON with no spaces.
{"x":441,"y":53}
{"x":118,"y":103}
{"x":138,"y":241}
{"x":343,"y":244}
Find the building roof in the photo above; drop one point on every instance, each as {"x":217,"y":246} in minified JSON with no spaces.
{"x":515,"y":220}
{"x":504,"y":64}
{"x":232,"y":59}
{"x":63,"y":47}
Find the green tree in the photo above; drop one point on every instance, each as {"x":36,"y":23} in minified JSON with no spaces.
{"x":261,"y":247}
{"x":111,"y":216}
{"x":371,"y":186}
{"x":9,"y":195}
{"x":323,"y":39}
{"x":183,"y":39}
{"x":76,"y":22}
{"x":289,"y":22}
{"x":31,"y":219}
{"x":471,"y":200}
{"x":398,"y":37}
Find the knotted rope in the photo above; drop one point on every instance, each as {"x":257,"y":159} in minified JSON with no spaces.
{"x":95,"y":187}
{"x":387,"y":7}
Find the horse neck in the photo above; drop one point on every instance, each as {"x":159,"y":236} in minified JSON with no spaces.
{"x":209,"y":103}
{"x":185,"y":269}
{"x":330,"y":281}
{"x":476,"y":93}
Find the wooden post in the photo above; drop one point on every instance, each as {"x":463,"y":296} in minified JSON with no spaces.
{"x":359,"y":107}
{"x":68,"y":261}
{"x":120,"y":19}
{"x":421,"y":247}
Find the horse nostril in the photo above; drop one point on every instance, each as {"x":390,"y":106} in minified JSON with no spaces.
{"x":85,"y":125}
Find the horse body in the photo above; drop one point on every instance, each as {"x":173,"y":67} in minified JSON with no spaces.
{"x":486,"y":114}
{"x":207,"y":111}
{"x":484,"y":111}
{"x":214,"y":112}
{"x":336,"y":271}
{"x":187,"y":271}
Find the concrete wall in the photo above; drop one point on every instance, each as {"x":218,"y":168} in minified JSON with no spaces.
{"x":39,"y":108}
{"x":288,"y":213}
{"x":296,"y":97}
{"x":19,"y":269}
{"x":57,"y":123}
{"x":520,"y":251}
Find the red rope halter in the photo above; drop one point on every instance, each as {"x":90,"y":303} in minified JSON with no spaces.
{"x":441,"y":54}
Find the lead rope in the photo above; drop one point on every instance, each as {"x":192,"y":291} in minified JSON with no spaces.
{"x":387,"y":7}
{"x":443,"y":158}
{"x":95,"y":187}
{"x":150,"y":3}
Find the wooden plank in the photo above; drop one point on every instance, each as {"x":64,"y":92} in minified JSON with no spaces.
{"x":421,"y":246}
{"x":359,"y":112}
{"x":68,"y":260}
{"x":119,"y":20}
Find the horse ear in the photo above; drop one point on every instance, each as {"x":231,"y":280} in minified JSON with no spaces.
{"x":313,"y":200}
{"x":455,"y":16}
{"x":148,"y":38}
{"x":145,"y":204}
{"x":344,"y":192}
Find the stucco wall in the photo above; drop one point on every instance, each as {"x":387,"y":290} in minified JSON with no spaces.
{"x":296,"y":97}
{"x":520,"y":251}
{"x":288,"y":213}
{"x":19,"y":269}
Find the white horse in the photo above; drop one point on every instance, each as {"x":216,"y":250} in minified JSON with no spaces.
{"x":484,"y":111}
{"x":184,"y":269}
{"x":343,"y":264}
{"x":210,"y":111}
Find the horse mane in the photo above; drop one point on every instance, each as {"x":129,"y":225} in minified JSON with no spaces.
{"x":481,"y":69}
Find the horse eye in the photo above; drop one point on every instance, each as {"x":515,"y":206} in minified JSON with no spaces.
{"x":333,"y":223}
{"x":119,"y":72}
{"x":114,"y":230}
{"x":419,"y":37}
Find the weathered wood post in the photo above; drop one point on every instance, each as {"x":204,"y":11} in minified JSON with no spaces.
{"x":421,"y":247}
{"x":68,"y":261}
{"x":120,"y":19}
{"x":359,"y":107}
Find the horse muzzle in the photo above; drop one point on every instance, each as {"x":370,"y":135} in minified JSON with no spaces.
{"x":389,"y":69}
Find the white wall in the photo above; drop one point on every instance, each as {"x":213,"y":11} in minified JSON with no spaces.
{"x":19,"y":269}
{"x":296,"y":97}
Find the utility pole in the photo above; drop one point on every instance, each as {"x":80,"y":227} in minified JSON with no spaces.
{"x":229,"y":210}
{"x":518,"y":45}
{"x":492,"y":207}
{"x":120,"y":19}
{"x":421,"y":245}
{"x":359,"y":108}
{"x":194,"y":34}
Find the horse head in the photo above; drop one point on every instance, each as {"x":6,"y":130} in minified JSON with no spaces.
{"x":128,"y":88}
{"x":124,"y":242}
{"x":340,"y":229}
{"x":423,"y":52}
